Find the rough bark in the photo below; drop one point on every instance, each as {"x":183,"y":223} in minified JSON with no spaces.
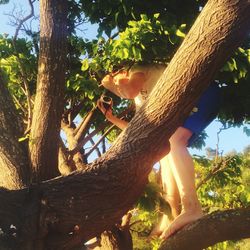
{"x":211,"y":229}
{"x":20,"y":215}
{"x":48,"y":107}
{"x":118,"y":237}
{"x":115,"y":239}
{"x":77,"y":207}
{"x":65,"y":164}
{"x":13,"y":157}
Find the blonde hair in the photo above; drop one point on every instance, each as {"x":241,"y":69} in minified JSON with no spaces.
{"x":108,"y":83}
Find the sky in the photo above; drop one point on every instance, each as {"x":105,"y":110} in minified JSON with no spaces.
{"x":229,"y":140}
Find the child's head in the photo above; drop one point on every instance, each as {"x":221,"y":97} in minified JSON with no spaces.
{"x":110,"y":81}
{"x":109,"y":84}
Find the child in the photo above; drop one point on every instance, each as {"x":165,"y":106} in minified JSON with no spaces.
{"x":177,"y":168}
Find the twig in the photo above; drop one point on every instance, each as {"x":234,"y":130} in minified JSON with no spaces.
{"x":24,"y":78}
{"x":88,"y":137}
{"x":114,"y":35}
{"x":104,"y":125}
{"x":83,"y":141}
{"x":218,"y":138}
{"x":217,"y":168}
{"x":103,"y":144}
{"x":24,"y":19}
{"x":98,"y":142}
{"x":19,"y":104}
{"x":97,"y":149}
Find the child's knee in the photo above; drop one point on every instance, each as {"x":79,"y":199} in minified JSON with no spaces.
{"x":180,"y":138}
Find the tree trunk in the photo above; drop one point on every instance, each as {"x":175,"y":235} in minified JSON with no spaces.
{"x":13,"y":157}
{"x":83,"y":204}
{"x":49,"y":101}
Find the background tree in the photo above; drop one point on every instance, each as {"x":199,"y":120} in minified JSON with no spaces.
{"x":56,"y":213}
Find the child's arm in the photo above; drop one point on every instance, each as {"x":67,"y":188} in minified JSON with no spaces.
{"x":110,"y":117}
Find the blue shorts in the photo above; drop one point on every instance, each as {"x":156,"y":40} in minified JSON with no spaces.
{"x":204,"y":112}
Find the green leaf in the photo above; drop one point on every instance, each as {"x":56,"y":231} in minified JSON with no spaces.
{"x":144,"y":17}
{"x":156,"y":15}
{"x":85,"y":65}
{"x":24,"y":138}
{"x":234,"y":63}
{"x":4,"y":1}
{"x":125,"y":53}
{"x":180,"y":33}
{"x":125,"y":9}
{"x":133,"y":14}
{"x":142,"y":46}
{"x":246,"y":130}
{"x":116,"y":16}
{"x":166,"y":32}
{"x":235,"y":79}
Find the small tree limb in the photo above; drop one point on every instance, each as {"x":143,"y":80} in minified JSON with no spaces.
{"x":216,"y":227}
{"x":81,"y":130}
{"x":99,"y":141}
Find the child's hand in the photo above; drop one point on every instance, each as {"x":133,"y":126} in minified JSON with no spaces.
{"x":107,"y":112}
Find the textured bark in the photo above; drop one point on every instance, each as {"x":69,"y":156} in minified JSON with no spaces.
{"x":216,"y":227}
{"x":72,"y":142}
{"x":77,"y":207}
{"x":119,"y":237}
{"x":21,"y":216}
{"x":65,"y":164}
{"x":116,"y":239}
{"x":48,"y":107}
{"x":13,"y":157}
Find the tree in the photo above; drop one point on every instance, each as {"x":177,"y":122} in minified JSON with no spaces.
{"x":63,"y":212}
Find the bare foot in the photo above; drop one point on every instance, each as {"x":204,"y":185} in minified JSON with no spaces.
{"x":180,"y":221}
{"x":159,"y":228}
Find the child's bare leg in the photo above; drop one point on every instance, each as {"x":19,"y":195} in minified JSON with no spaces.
{"x":170,"y":188}
{"x":171,"y":196}
{"x":183,"y":170}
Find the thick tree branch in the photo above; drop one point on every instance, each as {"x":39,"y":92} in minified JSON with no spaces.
{"x":211,"y":229}
{"x":82,"y":129}
{"x":77,"y":158}
{"x":49,"y":101}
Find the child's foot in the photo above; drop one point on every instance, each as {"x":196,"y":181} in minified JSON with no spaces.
{"x":160,"y":227}
{"x":180,"y":221}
